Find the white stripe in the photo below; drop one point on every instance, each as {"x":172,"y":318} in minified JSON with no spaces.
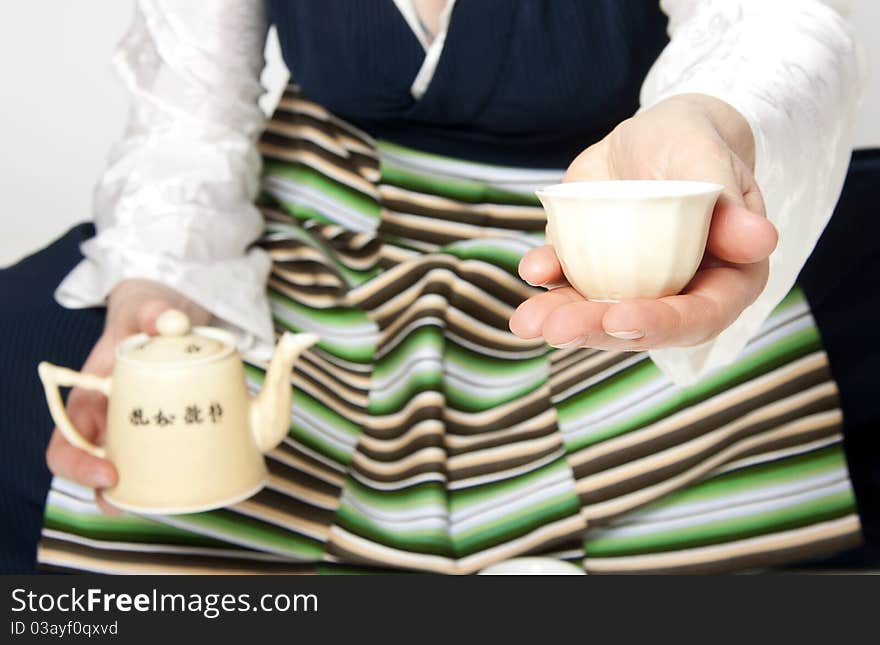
{"x":141,"y":547}
{"x":514,"y":505}
{"x":778,"y":454}
{"x":467,"y":511}
{"x":299,"y":194}
{"x":840,"y":485}
{"x":523,"y":180}
{"x":658,"y":390}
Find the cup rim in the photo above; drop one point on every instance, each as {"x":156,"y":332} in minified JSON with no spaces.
{"x":631,"y":189}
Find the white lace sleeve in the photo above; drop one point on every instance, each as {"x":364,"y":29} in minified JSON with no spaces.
{"x":175,"y":203}
{"x":795,"y":72}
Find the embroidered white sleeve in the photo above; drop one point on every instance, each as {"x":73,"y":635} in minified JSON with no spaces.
{"x":175,"y":203}
{"x":795,"y":72}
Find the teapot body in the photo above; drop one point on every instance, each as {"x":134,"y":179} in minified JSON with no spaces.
{"x":180,"y":438}
{"x":182,"y":430}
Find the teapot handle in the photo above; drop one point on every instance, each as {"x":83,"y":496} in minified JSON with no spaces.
{"x":54,"y":377}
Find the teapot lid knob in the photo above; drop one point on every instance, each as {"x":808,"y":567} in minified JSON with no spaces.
{"x":172,"y":322}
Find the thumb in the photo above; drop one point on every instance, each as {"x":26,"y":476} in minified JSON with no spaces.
{"x":147,"y":314}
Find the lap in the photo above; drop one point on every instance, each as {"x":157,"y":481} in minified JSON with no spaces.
{"x":34,"y":328}
{"x":840,"y":280}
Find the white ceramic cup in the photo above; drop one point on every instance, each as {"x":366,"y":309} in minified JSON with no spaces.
{"x":629,"y":239}
{"x":532,"y":566}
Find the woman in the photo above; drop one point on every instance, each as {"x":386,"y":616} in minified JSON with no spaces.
{"x":397,"y":188}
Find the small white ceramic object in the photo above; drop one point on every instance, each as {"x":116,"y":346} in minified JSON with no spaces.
{"x":532,"y":567}
{"x":182,"y":431}
{"x":629,"y":239}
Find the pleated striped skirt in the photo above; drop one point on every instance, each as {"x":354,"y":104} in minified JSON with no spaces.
{"x":425,"y":436}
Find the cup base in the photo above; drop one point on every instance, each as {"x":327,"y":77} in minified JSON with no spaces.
{"x":185,"y":508}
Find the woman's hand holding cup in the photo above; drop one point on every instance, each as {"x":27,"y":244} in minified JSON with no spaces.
{"x":687,"y":137}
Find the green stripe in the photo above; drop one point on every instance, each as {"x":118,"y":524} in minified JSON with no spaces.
{"x":421,"y":495}
{"x":339,"y":192}
{"x":324,"y":445}
{"x":416,"y":383}
{"x":754,"y":477}
{"x":725,"y":530}
{"x":258,"y":533}
{"x":517,"y":523}
{"x":466,"y":401}
{"x":462,"y":190}
{"x":501,"y":257}
{"x":352,"y":277}
{"x":476,"y":363}
{"x":427,"y":335}
{"x":461,"y":499}
{"x":785,"y":350}
{"x":125,"y":528}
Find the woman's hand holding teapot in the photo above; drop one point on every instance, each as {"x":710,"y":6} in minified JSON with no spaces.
{"x":132,"y":307}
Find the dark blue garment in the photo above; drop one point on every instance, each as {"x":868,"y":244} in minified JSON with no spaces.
{"x":529,"y":83}
{"x":840,"y":281}
{"x":34,"y":328}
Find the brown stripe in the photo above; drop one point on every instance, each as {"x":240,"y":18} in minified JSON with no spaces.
{"x":484,"y":215}
{"x":297,"y":483}
{"x":482,"y":275}
{"x":271,"y":507}
{"x":587,"y":368}
{"x":799,"y":544}
{"x":72,"y":556}
{"x":390,"y":451}
{"x":738,"y":408}
{"x":540,"y":426}
{"x":291,"y":456}
{"x":330,"y":170}
{"x":430,"y":461}
{"x":490,"y":463}
{"x":279,"y":135}
{"x":701,"y":410}
{"x":353,"y":548}
{"x":502,"y":416}
{"x":616,"y":506}
{"x":564,"y":357}
{"x":315,"y":298}
{"x":645,"y":478}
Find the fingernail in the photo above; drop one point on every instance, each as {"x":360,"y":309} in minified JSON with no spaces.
{"x":580,"y":340}
{"x":634,"y":334}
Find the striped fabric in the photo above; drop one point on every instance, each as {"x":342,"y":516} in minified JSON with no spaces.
{"x":425,"y":436}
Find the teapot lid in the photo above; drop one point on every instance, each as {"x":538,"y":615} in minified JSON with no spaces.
{"x":176,"y":342}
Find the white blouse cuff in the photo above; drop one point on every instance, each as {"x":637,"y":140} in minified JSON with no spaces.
{"x":795,"y":72}
{"x":232,"y":290}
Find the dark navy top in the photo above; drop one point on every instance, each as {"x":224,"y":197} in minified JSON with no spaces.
{"x":525,"y":83}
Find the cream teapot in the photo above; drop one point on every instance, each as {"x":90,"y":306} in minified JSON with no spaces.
{"x":182,"y":431}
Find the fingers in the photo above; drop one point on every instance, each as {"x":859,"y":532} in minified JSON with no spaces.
{"x":713,"y":301}
{"x":148,"y":313}
{"x":87,"y":412}
{"x":528,"y":319}
{"x":77,"y":465}
{"x":739,"y":235}
{"x":106,"y":507}
{"x":540,"y":266}
{"x":577,"y":323}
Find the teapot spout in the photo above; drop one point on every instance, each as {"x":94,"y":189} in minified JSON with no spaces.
{"x":270,"y":409}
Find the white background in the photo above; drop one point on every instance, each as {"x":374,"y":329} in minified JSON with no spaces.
{"x":61,"y":108}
